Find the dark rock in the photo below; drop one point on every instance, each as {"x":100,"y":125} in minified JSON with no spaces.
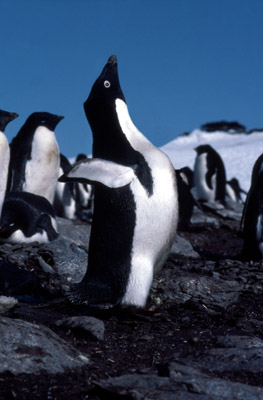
{"x":93,"y":326}
{"x":182,"y":247}
{"x":234,"y":353}
{"x":27,"y":348}
{"x":183,"y":383}
{"x":225,"y":126}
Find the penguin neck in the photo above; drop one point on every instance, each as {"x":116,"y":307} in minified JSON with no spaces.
{"x":115,"y":137}
{"x":109,"y":141}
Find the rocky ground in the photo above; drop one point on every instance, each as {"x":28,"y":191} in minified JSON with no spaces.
{"x":200,"y":336}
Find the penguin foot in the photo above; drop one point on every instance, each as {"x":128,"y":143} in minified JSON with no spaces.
{"x":90,"y":293}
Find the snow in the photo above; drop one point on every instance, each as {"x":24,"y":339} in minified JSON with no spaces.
{"x":239,"y":151}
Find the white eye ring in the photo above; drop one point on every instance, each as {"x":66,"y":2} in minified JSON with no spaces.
{"x":107,"y":84}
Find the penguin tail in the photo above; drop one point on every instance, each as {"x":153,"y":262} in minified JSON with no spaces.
{"x":90,"y":293}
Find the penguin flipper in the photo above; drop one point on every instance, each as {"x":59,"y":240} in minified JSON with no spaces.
{"x":90,"y":293}
{"x":97,"y":170}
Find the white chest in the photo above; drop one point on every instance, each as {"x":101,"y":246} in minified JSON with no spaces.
{"x":4,"y":162}
{"x":203,"y":191}
{"x":156,"y":215}
{"x":42,"y":170}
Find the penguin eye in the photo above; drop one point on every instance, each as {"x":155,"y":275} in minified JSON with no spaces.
{"x":12,"y":224}
{"x":43,"y":121}
{"x":107,"y":84}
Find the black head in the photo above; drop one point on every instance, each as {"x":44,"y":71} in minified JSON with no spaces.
{"x":80,"y":157}
{"x":204,"y":148}
{"x":5,"y":118}
{"x":107,"y":86}
{"x":46,"y":119}
{"x":100,"y":105}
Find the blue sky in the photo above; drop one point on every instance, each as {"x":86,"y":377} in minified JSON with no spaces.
{"x":182,"y":63}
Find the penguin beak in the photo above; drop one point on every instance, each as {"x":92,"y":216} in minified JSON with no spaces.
{"x":112,"y":60}
{"x":60,"y":117}
{"x":13,"y":116}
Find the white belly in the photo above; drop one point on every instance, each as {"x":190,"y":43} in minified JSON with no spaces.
{"x":4,"y":163}
{"x":203,"y":191}
{"x":42,"y":171}
{"x":156,"y":215}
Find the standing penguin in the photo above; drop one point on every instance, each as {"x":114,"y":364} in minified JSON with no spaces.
{"x":5,"y":118}
{"x":135,"y":201}
{"x":252,"y":218}
{"x":34,"y":161}
{"x":234,"y":191}
{"x":209,"y":175}
{"x":64,"y":200}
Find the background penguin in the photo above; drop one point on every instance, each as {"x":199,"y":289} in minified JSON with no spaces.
{"x":252,"y":218}
{"x":64,"y":200}
{"x":234,"y":191}
{"x":34,"y":161}
{"x":5,"y":118}
{"x":209,"y":175}
{"x":135,"y":201}
{"x":256,"y":170}
{"x":73,"y":199}
{"x":26,"y":218}
{"x":186,"y":201}
{"x":84,"y":194}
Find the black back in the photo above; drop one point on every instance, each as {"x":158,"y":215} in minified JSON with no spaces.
{"x":28,"y":212}
{"x":21,"y":146}
{"x":257,"y":169}
{"x":253,"y":211}
{"x":185,"y":198}
{"x":214,"y":165}
{"x":5,"y":118}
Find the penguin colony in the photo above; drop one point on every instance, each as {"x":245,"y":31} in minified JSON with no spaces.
{"x":128,"y":189}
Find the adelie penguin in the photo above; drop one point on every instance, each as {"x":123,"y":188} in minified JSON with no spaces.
{"x":209,"y":175}
{"x":252,"y":218}
{"x":5,"y":118}
{"x":34,"y":161}
{"x":135,"y":201}
{"x":27,"y":218}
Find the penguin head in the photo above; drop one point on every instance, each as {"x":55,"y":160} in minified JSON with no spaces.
{"x":5,"y":118}
{"x":45,"y":119}
{"x":104,"y":92}
{"x":107,"y":86}
{"x":204,"y":148}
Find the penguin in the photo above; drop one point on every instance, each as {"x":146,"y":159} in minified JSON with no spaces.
{"x":256,"y":170}
{"x":27,"y":218}
{"x":5,"y":118}
{"x":234,"y":191}
{"x":185,"y":198}
{"x":252,"y":218}
{"x":34,"y":156}
{"x":209,"y":175}
{"x":83,"y":193}
{"x":64,"y":200}
{"x":135,"y":201}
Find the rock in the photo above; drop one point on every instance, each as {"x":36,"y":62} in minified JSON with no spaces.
{"x":182,"y":247}
{"x":93,"y":326}
{"x":75,"y":232}
{"x":7,"y":303}
{"x":19,"y":283}
{"x":27,"y":348}
{"x":70,"y":260}
{"x":200,"y":218}
{"x":209,"y":292}
{"x":183,"y":383}
{"x":234,"y":353}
